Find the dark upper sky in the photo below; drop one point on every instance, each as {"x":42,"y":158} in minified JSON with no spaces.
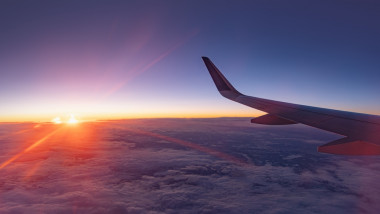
{"x":108,"y":59}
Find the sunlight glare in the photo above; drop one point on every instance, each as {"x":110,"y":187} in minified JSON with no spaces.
{"x":72,"y":120}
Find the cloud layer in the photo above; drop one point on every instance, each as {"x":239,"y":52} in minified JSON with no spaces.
{"x":161,"y":166}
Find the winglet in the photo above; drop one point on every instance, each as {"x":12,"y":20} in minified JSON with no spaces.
{"x":222,"y":84}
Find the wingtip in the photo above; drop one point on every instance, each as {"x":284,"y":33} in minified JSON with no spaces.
{"x":205,"y":58}
{"x":220,"y":81}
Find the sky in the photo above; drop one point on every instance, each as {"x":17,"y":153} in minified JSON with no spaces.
{"x":131,"y":59}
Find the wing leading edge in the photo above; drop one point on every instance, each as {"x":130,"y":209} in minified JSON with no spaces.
{"x":361,"y":130}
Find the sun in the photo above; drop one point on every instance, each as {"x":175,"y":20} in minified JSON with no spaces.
{"x":72,"y":120}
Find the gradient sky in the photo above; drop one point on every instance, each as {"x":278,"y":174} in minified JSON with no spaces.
{"x":123,"y":59}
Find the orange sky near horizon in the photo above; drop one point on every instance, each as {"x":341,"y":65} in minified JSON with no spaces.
{"x":110,"y":116}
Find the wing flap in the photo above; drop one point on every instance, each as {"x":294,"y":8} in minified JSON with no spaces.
{"x":347,"y":146}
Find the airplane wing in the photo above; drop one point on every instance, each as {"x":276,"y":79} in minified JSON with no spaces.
{"x":361,"y":131}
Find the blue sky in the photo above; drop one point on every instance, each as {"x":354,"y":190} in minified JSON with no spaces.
{"x":120,"y":59}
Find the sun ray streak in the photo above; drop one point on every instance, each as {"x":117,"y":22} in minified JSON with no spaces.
{"x":35,"y":144}
{"x":189,"y":144}
{"x":137,"y":71}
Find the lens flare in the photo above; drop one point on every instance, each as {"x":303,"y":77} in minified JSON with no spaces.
{"x":56,"y":120}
